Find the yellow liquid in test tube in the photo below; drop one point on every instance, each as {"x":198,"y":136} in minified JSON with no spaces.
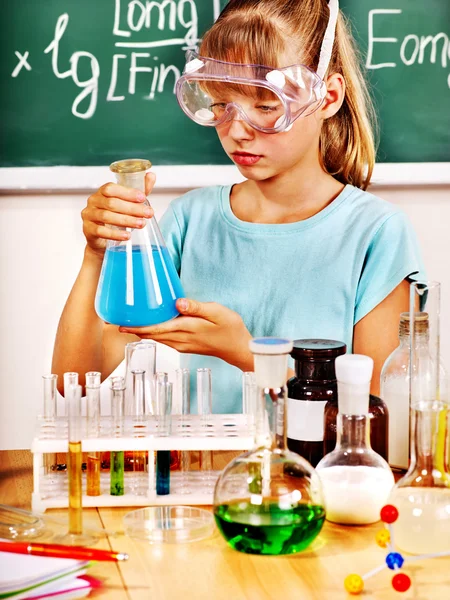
{"x":93,"y":474}
{"x":75,"y":491}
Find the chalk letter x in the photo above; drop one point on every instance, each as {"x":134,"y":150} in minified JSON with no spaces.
{"x":22,"y":63}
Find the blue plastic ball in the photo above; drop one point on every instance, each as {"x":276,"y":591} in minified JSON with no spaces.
{"x":394,"y":560}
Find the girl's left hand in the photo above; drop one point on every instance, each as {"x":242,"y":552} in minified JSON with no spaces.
{"x":203,"y":328}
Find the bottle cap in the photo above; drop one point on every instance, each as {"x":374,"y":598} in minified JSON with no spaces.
{"x":353,"y":372}
{"x":316,"y":349}
{"x":421,"y":323}
{"x":270,"y":357}
{"x":354,"y":369}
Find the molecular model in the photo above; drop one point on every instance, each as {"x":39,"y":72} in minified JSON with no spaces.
{"x":354,"y":584}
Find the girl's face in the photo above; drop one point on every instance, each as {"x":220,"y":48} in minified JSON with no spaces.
{"x":260,"y":156}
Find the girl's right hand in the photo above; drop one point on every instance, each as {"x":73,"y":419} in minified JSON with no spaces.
{"x":117,"y":205}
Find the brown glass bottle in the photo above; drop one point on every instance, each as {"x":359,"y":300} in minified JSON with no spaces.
{"x":379,"y":425}
{"x":309,"y":391}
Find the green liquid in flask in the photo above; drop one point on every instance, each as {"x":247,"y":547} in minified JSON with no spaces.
{"x":267,"y":528}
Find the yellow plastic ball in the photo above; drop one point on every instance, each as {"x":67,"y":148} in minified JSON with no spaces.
{"x":383,"y":538}
{"x":353,"y":584}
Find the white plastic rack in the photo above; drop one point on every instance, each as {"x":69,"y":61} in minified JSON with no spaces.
{"x":189,"y":432}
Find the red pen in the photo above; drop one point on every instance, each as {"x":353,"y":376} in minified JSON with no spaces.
{"x":60,"y":551}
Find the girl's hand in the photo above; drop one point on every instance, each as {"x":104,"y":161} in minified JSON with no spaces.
{"x":117,"y":205}
{"x":204,"y":328}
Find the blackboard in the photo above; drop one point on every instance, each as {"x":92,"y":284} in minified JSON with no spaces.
{"x":87,"y":81}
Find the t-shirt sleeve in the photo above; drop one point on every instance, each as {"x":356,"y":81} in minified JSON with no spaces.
{"x":393,"y":255}
{"x":172,"y":234}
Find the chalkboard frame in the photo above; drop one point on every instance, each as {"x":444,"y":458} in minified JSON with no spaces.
{"x":70,"y":179}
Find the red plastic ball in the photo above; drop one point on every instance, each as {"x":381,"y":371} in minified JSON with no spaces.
{"x":389,"y":514}
{"x":401,"y":582}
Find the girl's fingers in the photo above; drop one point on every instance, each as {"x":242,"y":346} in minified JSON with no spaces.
{"x":150,"y":179}
{"x":93,"y":230}
{"x":105,"y":217}
{"x":123,"y":207}
{"x":176,"y":329}
{"x":111,"y":190}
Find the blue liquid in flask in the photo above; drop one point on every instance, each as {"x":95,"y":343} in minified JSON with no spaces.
{"x":142,"y":305}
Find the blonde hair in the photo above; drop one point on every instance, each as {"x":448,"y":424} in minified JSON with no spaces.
{"x":260,"y":31}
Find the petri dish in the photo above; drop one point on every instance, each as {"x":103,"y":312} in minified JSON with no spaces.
{"x":18,"y":524}
{"x":169,"y":524}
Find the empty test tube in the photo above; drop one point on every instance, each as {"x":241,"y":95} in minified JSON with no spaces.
{"x":182,"y":406}
{"x":250,"y":408}
{"x":93,"y":380}
{"x":204,"y":403}
{"x":162,"y":410}
{"x":139,"y":356}
{"x":49,"y":388}
{"x":138,"y":481}
{"x":117,"y":487}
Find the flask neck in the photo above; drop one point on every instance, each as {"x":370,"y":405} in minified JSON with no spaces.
{"x":271,"y":424}
{"x":132,"y":180}
{"x":428,"y":433}
{"x":353,"y":431}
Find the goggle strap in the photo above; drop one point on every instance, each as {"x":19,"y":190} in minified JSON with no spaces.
{"x":328,"y":39}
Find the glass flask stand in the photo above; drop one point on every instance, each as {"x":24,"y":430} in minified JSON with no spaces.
{"x":138,"y":284}
{"x":269,"y":500}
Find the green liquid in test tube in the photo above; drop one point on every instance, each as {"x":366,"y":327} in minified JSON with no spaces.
{"x":117,"y":485}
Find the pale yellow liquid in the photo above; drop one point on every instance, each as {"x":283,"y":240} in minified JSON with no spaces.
{"x":75,"y":491}
{"x":93,"y":474}
{"x":423,"y":525}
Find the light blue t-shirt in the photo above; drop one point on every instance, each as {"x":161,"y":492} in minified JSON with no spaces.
{"x":314,"y":278}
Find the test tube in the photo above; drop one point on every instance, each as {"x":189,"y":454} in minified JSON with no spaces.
{"x":182,"y":406}
{"x":138,"y":412}
{"x":139,"y":355}
{"x":49,"y":385}
{"x":249,"y":395}
{"x":75,"y":536}
{"x":204,"y":403}
{"x":162,"y":410}
{"x":70,"y":378}
{"x":75,"y":491}
{"x":117,"y":385}
{"x":250,"y":409}
{"x":93,"y":380}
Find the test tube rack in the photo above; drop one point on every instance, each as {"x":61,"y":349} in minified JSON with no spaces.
{"x":187,"y":433}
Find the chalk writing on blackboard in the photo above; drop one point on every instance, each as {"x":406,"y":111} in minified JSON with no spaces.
{"x":130,"y":17}
{"x":413,"y":49}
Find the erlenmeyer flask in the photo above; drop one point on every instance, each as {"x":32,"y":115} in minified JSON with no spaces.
{"x":138,"y":284}
{"x":269,"y":500}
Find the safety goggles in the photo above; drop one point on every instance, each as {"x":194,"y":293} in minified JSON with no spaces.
{"x":212,"y":92}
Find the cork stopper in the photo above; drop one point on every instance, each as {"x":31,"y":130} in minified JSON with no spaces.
{"x":420,"y":323}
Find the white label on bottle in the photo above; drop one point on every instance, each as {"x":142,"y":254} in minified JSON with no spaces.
{"x":305,"y":420}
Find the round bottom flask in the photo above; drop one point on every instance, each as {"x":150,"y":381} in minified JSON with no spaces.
{"x":269,"y":500}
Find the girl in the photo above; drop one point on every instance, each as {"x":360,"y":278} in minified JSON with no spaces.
{"x":298,"y":249}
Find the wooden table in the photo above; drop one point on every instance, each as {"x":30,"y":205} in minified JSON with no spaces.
{"x":210,"y":570}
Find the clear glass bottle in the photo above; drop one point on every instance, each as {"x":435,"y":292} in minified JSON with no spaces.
{"x":356,"y":480}
{"x":259,"y":507}
{"x":422,"y":495}
{"x":394,"y":383}
{"x":138,"y":284}
{"x":313,"y":385}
